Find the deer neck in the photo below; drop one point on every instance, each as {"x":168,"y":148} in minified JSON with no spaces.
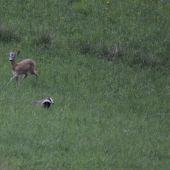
{"x":13,"y":65}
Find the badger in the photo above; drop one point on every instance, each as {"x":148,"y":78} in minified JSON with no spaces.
{"x":44,"y":103}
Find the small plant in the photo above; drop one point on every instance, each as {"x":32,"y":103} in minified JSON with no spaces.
{"x":111,"y":53}
{"x":42,"y":38}
{"x":7,"y":34}
{"x":85,"y":47}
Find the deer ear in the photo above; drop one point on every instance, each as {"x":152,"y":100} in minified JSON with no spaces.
{"x":18,"y":52}
{"x":10,"y":51}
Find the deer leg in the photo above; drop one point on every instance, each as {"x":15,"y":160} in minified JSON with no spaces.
{"x":15,"y":76}
{"x":36,"y":76}
{"x":35,"y":73}
{"x":17,"y":80}
{"x":24,"y":77}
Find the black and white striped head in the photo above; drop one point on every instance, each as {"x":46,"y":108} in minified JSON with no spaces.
{"x":47,"y":102}
{"x":12,"y":55}
{"x":50,"y":100}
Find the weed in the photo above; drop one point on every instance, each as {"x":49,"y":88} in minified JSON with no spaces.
{"x":42,"y":38}
{"x":8,"y":35}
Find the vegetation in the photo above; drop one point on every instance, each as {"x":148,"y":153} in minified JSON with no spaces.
{"x":106,"y":66}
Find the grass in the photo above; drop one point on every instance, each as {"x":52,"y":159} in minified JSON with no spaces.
{"x":106,"y":66}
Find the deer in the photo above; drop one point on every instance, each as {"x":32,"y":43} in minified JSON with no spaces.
{"x":22,"y":67}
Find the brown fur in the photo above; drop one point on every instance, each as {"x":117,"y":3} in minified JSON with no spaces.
{"x":22,"y":67}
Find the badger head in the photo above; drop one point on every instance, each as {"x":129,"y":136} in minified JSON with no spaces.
{"x":47,"y":102}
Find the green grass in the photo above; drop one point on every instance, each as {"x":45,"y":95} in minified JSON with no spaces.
{"x":106,"y":66}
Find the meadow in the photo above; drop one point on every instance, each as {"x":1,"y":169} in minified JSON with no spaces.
{"x":106,"y":66}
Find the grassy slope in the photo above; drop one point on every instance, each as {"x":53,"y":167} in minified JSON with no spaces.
{"x":106,"y":114}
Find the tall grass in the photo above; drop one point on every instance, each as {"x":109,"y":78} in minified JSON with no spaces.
{"x":106,"y":66}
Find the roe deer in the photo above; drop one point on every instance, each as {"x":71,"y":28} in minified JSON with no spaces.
{"x":45,"y":102}
{"x":22,"y":67}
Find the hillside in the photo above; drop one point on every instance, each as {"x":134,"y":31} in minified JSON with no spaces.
{"x":106,"y":66}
